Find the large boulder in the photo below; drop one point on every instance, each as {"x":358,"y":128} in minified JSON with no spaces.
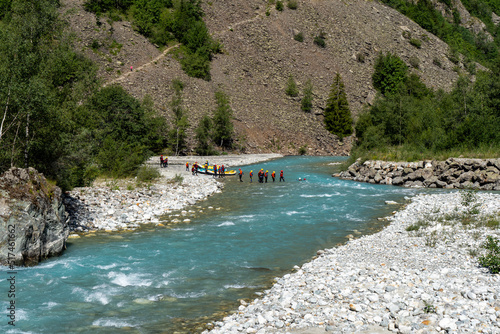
{"x":33,"y":224}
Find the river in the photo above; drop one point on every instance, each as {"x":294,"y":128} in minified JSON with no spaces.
{"x":162,"y":279}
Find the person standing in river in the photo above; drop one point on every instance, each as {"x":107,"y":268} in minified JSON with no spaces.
{"x":240,"y":174}
{"x":281,"y":176}
{"x":251,"y":175}
{"x":273,"y":175}
{"x":161,"y":161}
{"x":187,"y":166}
{"x":265,"y":175}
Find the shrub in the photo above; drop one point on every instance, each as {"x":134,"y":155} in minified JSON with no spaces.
{"x":492,"y":259}
{"x":320,"y":40}
{"x":390,"y":72}
{"x":306,"y":103}
{"x":414,"y":62}
{"x":437,"y":62}
{"x":178,"y":178}
{"x":292,"y":4}
{"x":291,"y":87}
{"x":279,"y":5}
{"x":299,"y":37}
{"x":95,"y":45}
{"x":416,"y":43}
{"x":303,"y":150}
{"x":147,"y":174}
{"x":360,"y":57}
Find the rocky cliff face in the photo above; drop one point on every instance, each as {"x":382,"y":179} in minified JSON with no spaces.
{"x":33,"y":225}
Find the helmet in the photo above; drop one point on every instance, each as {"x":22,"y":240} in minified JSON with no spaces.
{"x":267,"y":171}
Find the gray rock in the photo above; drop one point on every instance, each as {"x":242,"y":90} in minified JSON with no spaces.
{"x":33,"y":225}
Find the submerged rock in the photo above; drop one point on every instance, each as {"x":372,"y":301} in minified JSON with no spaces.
{"x":33,"y":225}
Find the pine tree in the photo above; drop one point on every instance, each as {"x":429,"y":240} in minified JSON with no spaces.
{"x":223,"y":127}
{"x":291,"y":87}
{"x":306,"y":103}
{"x":338,"y":118}
{"x":203,"y":136}
{"x":180,"y":123}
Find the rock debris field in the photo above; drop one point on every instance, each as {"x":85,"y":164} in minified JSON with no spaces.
{"x":419,"y":275}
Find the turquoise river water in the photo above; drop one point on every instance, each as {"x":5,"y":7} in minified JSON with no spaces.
{"x":158,"y":279}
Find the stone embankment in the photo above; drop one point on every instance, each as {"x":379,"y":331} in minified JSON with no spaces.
{"x":33,"y":223}
{"x":124,"y":204}
{"x":452,"y":173}
{"x":418,"y":275}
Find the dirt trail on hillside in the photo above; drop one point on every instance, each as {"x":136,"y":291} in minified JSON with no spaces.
{"x":143,"y":66}
{"x":165,"y":52}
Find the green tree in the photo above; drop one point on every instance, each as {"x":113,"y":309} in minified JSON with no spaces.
{"x":338,"y":118}
{"x":222,"y":125}
{"x":306,"y":103}
{"x":390,"y":72}
{"x":204,"y":136}
{"x":177,"y":135}
{"x":291,"y":87}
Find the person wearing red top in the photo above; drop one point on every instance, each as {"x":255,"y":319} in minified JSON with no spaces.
{"x":265,"y":175}
{"x":251,"y":174}
{"x":187,"y":166}
{"x":240,"y":174}
{"x":273,"y":175}
{"x":281,"y":176}
{"x":161,"y":161}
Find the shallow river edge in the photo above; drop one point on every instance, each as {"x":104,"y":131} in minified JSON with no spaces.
{"x":420,"y":274}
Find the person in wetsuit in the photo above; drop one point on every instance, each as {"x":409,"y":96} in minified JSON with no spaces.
{"x":265,"y":175}
{"x":251,"y":175}
{"x":281,"y":176}
{"x":240,"y":174}
{"x":273,"y":175}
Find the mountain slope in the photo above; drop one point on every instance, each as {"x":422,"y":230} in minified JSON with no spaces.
{"x":259,"y":55}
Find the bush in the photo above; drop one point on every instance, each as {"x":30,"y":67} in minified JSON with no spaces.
{"x":279,"y":5}
{"x":306,"y":103}
{"x":414,"y":62}
{"x":292,"y":4}
{"x":291,"y":87}
{"x":299,"y":37}
{"x":492,"y":259}
{"x":416,"y":43}
{"x":437,"y":62}
{"x":360,"y":57}
{"x":320,"y":40}
{"x":390,"y":73}
{"x":303,"y":150}
{"x":147,"y":174}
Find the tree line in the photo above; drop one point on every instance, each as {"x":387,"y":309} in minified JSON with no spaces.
{"x":413,"y":120}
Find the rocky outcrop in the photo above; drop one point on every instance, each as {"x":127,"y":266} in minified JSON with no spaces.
{"x":33,"y":225}
{"x":452,"y":173}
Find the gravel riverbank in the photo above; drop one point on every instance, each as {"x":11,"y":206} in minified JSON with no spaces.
{"x":418,"y":275}
{"x":123,"y":204}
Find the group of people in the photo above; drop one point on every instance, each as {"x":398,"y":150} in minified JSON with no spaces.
{"x":218,"y":170}
{"x":262,"y":176}
{"x":163,"y":161}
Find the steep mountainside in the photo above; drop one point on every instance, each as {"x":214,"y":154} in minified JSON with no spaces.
{"x":259,"y":55}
